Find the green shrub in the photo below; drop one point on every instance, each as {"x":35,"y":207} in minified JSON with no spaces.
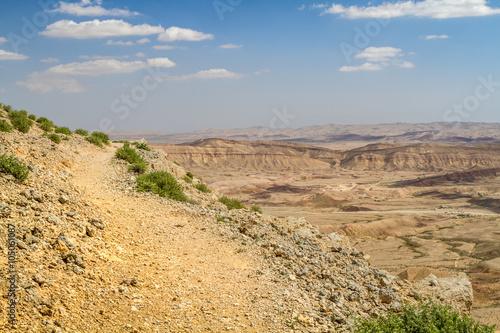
{"x":46,"y":126}
{"x":5,"y":126}
{"x":63,"y":130}
{"x":142,"y":145}
{"x":10,"y":165}
{"x":20,"y":120}
{"x":98,"y":138}
{"x":190,"y":175}
{"x":257,"y":209}
{"x":187,"y":179}
{"x":32,"y":117}
{"x":7,"y":108}
{"x":161,"y":183}
{"x":177,"y":163}
{"x":54,"y":137}
{"x":44,"y":120}
{"x":231,"y":203}
{"x":65,"y":138}
{"x":428,"y":317}
{"x":130,"y":155}
{"x":202,"y":187}
{"x":82,"y":132}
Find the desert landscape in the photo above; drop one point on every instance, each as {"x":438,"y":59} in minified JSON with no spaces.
{"x":433,"y":205}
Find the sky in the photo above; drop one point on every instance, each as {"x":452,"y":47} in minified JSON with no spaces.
{"x":188,"y":65}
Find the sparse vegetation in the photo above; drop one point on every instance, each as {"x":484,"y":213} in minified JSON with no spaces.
{"x":202,"y":187}
{"x":45,"y":124}
{"x":12,"y":166}
{"x":7,"y":108}
{"x":161,"y":183}
{"x":428,"y":317}
{"x":82,"y":132}
{"x":20,"y":120}
{"x":5,"y":126}
{"x":32,"y":117}
{"x":54,"y":137}
{"x":142,"y":145}
{"x":231,"y":203}
{"x":63,"y":130}
{"x":98,"y":138}
{"x":187,"y":179}
{"x":257,"y":209}
{"x":138,"y":164}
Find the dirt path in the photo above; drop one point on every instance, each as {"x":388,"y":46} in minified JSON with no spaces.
{"x":189,"y":277}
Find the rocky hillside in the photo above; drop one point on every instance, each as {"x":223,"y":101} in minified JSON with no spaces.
{"x":281,"y":156}
{"x":93,"y":254}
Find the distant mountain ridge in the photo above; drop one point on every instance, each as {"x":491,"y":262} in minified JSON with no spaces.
{"x":328,"y":135}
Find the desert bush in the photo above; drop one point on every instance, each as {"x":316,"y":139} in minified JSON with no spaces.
{"x":161,"y":183}
{"x":5,"y":126}
{"x":82,"y":132}
{"x":187,"y":179}
{"x":63,"y":130}
{"x":12,"y":166}
{"x":54,"y":137}
{"x":98,"y":138}
{"x":142,"y":145}
{"x":7,"y":108}
{"x":428,"y":317}
{"x":202,"y":187}
{"x":32,"y":117}
{"x":257,"y":209}
{"x":20,"y":120}
{"x":231,"y":203}
{"x":131,"y":156}
{"x":45,"y":124}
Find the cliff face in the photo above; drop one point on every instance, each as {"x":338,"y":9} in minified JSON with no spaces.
{"x":246,"y":155}
{"x":93,"y":254}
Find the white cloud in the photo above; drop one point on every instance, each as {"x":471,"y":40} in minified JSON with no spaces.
{"x":377,"y":54}
{"x":302,"y":7}
{"x":216,"y":73}
{"x":3,"y":40}
{"x":119,"y":43}
{"x":143,"y":41}
{"x":261,"y":71}
{"x":100,"y":57}
{"x":46,"y":82}
{"x":6,"y":55}
{"x":165,"y":47}
{"x":97,"y":67}
{"x":437,"y":9}
{"x":437,"y":37}
{"x":98,"y":29}
{"x":161,"y":62}
{"x":88,"y":8}
{"x":49,"y":60}
{"x":364,"y":67}
{"x":230,"y":46}
{"x":378,"y":58}
{"x":140,"y":55}
{"x":175,"y":33}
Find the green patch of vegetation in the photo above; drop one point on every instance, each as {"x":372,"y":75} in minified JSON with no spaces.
{"x":63,"y":130}
{"x":142,"y":145}
{"x":45,"y":124}
{"x":82,"y":132}
{"x":138,"y":164}
{"x":98,"y":138}
{"x":231,"y":203}
{"x":161,"y":183}
{"x":177,"y":163}
{"x":202,"y":187}
{"x":257,"y":209}
{"x":20,"y":120}
{"x":220,"y":218}
{"x":7,"y":108}
{"x":12,"y":166}
{"x":65,"y":138}
{"x":187,"y":179}
{"x":190,"y":174}
{"x":428,"y":317}
{"x":5,"y":126}
{"x":32,"y":117}
{"x":54,"y":137}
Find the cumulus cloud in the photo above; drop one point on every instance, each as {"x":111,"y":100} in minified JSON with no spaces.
{"x":216,"y":73}
{"x":49,"y":60}
{"x":175,"y":33}
{"x":437,"y":37}
{"x":3,"y":40}
{"x":378,"y":58}
{"x":436,"y":9}
{"x":119,"y":43}
{"x":161,"y":62}
{"x":143,"y":41}
{"x":90,"y":8}
{"x":46,"y":82}
{"x":98,"y":29}
{"x":97,"y":67}
{"x":230,"y":46}
{"x":6,"y":55}
{"x":102,"y":57}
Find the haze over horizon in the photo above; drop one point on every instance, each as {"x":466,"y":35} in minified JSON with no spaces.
{"x":193,"y":65}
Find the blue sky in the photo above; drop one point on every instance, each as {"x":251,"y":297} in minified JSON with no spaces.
{"x":189,"y":65}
